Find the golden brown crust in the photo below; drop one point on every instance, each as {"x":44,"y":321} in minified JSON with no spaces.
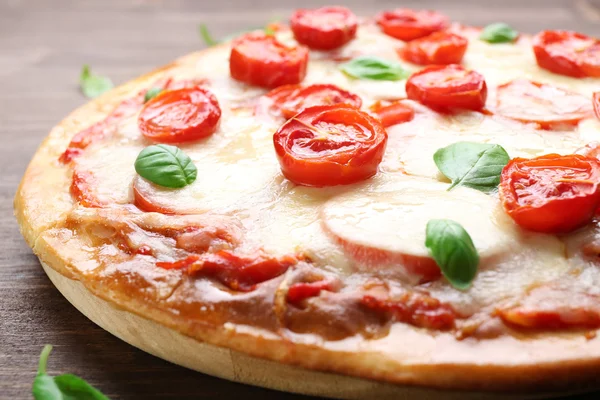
{"x":407,"y":355}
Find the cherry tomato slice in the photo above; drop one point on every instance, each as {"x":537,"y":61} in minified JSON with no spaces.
{"x":260,"y":60}
{"x":405,"y":24}
{"x":439,"y":48}
{"x":546,"y":105}
{"x":596,"y":104}
{"x":325,"y":28}
{"x":447,"y":87}
{"x":567,"y":53}
{"x":551,"y":193}
{"x":392,"y":113}
{"x":330,"y":145}
{"x":289,"y":100}
{"x":180,"y":115}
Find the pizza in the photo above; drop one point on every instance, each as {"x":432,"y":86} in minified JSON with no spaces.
{"x":400,"y":198}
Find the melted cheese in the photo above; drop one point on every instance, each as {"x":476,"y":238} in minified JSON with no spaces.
{"x":238,"y":173}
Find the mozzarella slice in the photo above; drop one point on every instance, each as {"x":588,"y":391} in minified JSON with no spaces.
{"x":392,"y":221}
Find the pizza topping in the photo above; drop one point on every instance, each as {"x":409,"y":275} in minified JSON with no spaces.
{"x":82,"y":189}
{"x":567,"y":53}
{"x":498,"y":33}
{"x":236,"y":272}
{"x":152,"y":93}
{"x":261,"y":60}
{"x":330,"y":145}
{"x":166,"y":166}
{"x":376,"y":68}
{"x":416,"y":309}
{"x":93,"y":85}
{"x":596,"y":104}
{"x":540,"y":103}
{"x":453,"y":251}
{"x":553,"y":307}
{"x":206,"y":36}
{"x":591,"y":150}
{"x":289,"y":100}
{"x":325,"y":28}
{"x":311,"y":285}
{"x":370,"y":227}
{"x":180,"y":115}
{"x":392,"y":113}
{"x":438,"y":48}
{"x":551,"y":193}
{"x":405,"y":24}
{"x":474,"y":165}
{"x":448,"y":87}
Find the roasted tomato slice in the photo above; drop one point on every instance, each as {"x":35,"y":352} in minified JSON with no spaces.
{"x":405,"y":24}
{"x":551,"y":193}
{"x":596,"y":104}
{"x":546,"y":105}
{"x":180,"y":115}
{"x":392,"y":113}
{"x":289,"y":100}
{"x":325,"y":28}
{"x":261,"y":60}
{"x":447,"y":87}
{"x":567,"y":53}
{"x":440,"y":48}
{"x":330,"y":145}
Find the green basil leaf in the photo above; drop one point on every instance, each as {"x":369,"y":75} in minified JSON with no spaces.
{"x":453,"y":251}
{"x":62,"y":387}
{"x":93,"y":85}
{"x":376,"y":68}
{"x":498,"y":33}
{"x":474,"y":165}
{"x":206,"y":36}
{"x":75,"y":388}
{"x":152,"y":93}
{"x":166,"y":166}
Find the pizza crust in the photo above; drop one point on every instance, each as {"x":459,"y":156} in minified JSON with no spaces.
{"x":411,"y":356}
{"x":237,"y":366}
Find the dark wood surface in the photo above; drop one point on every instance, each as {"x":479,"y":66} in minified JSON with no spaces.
{"x":43,"y":45}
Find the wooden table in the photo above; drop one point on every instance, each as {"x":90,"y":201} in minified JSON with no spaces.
{"x":43,"y":45}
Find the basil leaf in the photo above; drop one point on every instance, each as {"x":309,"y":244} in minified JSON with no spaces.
{"x":370,"y":67}
{"x":73,"y":387}
{"x":206,"y":36}
{"x":93,"y":85}
{"x":62,"y":387}
{"x":498,"y":33}
{"x":152,"y":93}
{"x":474,"y":165}
{"x":453,"y":251}
{"x":166,"y":166}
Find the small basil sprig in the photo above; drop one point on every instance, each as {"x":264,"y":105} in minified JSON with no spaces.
{"x":209,"y":40}
{"x":61,"y":387}
{"x":166,"y":166}
{"x":206,"y":36}
{"x":498,"y":33}
{"x":152,"y":93}
{"x":453,"y":251}
{"x":93,"y":85}
{"x":474,"y":165}
{"x":376,"y":68}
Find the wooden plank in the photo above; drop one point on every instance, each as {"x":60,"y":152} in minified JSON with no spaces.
{"x":42,"y":47}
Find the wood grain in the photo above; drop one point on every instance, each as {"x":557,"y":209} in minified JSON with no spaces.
{"x":42,"y":47}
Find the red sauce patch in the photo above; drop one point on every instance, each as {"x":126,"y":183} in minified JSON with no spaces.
{"x":236,"y":272}
{"x":413,"y":308}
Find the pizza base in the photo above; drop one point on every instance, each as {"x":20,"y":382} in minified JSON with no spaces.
{"x":408,"y":356}
{"x":236,"y":366}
